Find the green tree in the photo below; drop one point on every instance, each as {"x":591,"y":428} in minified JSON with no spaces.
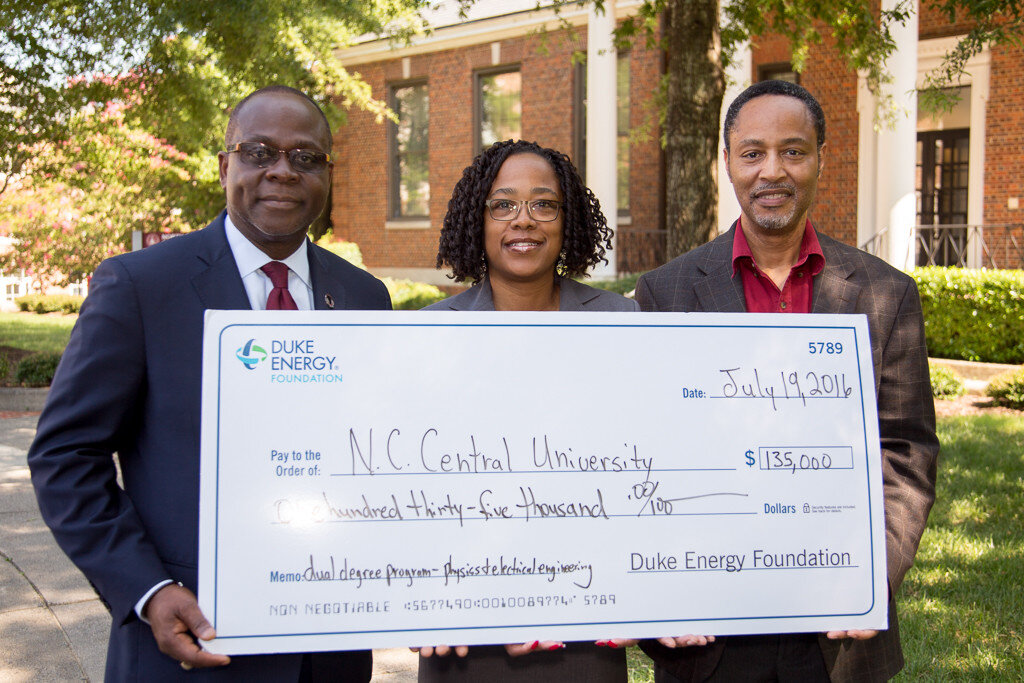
{"x":181,"y":64}
{"x":174,"y":68}
{"x":109,"y":180}
{"x":43,"y":45}
{"x":699,"y":37}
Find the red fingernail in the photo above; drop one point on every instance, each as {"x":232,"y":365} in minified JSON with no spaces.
{"x":556,"y":647}
{"x":535,"y":645}
{"x":612,"y":644}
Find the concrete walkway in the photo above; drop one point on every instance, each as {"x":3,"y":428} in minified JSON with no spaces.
{"x":52,"y":625}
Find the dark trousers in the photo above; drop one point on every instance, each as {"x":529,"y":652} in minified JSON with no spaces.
{"x":785,"y":658}
{"x":335,"y":667}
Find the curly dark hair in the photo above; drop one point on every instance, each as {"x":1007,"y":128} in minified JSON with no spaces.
{"x":585,"y":232}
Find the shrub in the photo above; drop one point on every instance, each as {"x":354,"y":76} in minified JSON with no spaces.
{"x":973,"y":314}
{"x":49,"y":303}
{"x":347,"y":250}
{"x":1008,"y":388}
{"x":5,"y":368}
{"x":37,"y":370}
{"x":621,"y":285}
{"x":945,"y":382}
{"x":407,"y":295}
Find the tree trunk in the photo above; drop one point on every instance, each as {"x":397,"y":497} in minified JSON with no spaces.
{"x":695,"y":88}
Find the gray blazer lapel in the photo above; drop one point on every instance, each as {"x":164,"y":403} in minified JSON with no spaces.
{"x":719,"y":290}
{"x":476,"y":298}
{"x":833,"y":290}
{"x":218,"y":283}
{"x":573,"y":296}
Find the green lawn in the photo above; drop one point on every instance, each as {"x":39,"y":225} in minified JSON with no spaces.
{"x":33,"y":332}
{"x":961,"y":607}
{"x":640,"y":668}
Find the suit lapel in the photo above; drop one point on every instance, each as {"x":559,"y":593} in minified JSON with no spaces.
{"x":220,"y":286}
{"x":719,"y":290}
{"x":328,"y":293}
{"x":574,"y":296}
{"x":479,"y":298}
{"x":833,"y":291}
{"x":218,"y":283}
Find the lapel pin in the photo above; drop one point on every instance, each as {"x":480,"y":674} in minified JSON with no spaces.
{"x":329,"y":300}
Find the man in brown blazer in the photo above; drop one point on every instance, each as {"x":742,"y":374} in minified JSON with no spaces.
{"x":773,"y":260}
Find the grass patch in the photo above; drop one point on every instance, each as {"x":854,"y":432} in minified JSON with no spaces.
{"x":31,"y":332}
{"x":641,"y":668}
{"x":961,"y":604}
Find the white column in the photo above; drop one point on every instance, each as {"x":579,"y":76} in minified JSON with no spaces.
{"x":868,"y":225}
{"x":897,"y":145}
{"x":602,"y":121}
{"x":980,"y":68}
{"x":737,"y":79}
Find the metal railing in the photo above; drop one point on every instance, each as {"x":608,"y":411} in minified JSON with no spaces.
{"x":994,"y":245}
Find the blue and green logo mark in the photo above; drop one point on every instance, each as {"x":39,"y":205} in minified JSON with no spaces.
{"x":251,"y":354}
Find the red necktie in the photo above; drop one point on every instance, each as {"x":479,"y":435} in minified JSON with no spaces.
{"x":280,"y":299}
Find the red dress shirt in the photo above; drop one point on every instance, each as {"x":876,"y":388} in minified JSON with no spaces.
{"x":760,"y":292}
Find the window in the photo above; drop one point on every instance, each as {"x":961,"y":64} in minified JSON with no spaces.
{"x":408,"y":145}
{"x":779,"y":71}
{"x":499,"y":108}
{"x":580,"y":122}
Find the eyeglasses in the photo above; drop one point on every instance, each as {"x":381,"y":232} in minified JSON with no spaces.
{"x":262,"y":156}
{"x":543,"y":210}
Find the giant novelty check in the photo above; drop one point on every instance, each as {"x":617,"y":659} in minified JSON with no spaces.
{"x":380,"y":479}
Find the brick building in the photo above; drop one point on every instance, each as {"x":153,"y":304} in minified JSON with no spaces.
{"x":507,"y":70}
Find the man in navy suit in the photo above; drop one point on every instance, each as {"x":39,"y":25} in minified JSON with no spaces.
{"x":129,"y":383}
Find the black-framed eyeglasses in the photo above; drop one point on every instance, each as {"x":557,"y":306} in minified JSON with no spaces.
{"x":261,"y":156}
{"x":543,"y":210}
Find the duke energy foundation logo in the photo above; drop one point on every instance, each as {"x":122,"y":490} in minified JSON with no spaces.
{"x":251,"y":354}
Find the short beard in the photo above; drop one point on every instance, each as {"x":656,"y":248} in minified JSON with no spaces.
{"x":774,"y":222}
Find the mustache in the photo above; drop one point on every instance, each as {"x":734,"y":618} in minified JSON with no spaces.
{"x":768,"y":187}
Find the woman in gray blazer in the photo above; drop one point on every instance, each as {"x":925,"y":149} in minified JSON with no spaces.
{"x":520,"y":225}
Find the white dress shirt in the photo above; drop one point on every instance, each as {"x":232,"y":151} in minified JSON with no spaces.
{"x":249,"y":259}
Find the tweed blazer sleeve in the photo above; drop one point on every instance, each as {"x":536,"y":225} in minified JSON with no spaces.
{"x":906,"y":410}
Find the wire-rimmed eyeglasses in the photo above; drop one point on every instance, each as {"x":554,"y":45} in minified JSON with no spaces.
{"x":261,"y":156}
{"x":543,"y":210}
